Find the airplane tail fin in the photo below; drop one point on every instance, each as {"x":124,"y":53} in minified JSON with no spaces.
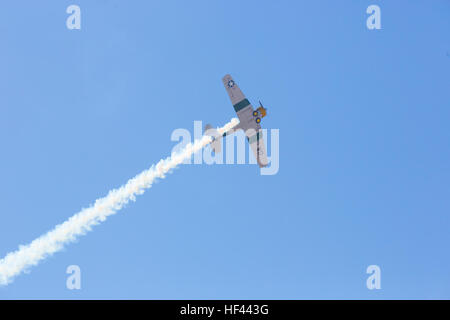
{"x":216,"y":144}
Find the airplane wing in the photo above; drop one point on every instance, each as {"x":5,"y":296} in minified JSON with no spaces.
{"x":247,"y":120}
{"x":256,"y":142}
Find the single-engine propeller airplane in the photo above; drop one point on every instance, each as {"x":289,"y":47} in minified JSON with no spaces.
{"x":249,"y":121}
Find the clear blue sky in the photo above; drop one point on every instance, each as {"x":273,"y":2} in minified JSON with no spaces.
{"x":364,"y":147}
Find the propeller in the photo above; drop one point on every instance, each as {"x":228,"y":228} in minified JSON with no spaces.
{"x":261,"y":105}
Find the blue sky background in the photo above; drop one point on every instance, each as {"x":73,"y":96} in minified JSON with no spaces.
{"x":364,"y":147}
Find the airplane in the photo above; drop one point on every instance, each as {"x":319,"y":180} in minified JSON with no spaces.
{"x":249,"y":121}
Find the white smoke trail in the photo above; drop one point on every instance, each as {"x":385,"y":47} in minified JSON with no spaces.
{"x":29,"y":255}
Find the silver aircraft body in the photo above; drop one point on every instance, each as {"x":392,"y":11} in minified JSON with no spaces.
{"x":249,"y":121}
